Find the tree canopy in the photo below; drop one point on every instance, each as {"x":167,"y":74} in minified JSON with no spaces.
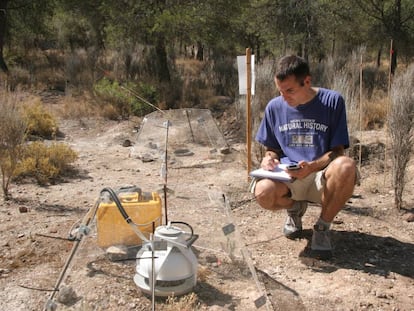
{"x":215,"y":28}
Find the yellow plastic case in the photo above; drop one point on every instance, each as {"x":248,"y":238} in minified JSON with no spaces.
{"x":143,"y":208}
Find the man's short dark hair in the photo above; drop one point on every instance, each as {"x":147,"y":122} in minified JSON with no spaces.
{"x":292,"y":65}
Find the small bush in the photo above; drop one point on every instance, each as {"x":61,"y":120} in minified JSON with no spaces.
{"x":45,"y":163}
{"x":111,"y":93}
{"x":150,"y":94}
{"x":40,"y":122}
{"x":126,"y":100}
{"x":12,"y":135}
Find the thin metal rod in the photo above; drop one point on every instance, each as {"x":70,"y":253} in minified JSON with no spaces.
{"x":152,"y":274}
{"x":248,"y":110}
{"x":189,"y":125}
{"x":165,"y":171}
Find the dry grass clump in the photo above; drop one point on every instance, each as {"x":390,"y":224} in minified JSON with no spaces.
{"x":203,"y":273}
{"x":189,"y":67}
{"x":78,"y":107}
{"x":184,"y":303}
{"x":12,"y":135}
{"x":375,"y":112}
{"x":401,"y":129}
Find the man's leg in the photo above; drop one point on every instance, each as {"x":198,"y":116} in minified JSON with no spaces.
{"x":293,"y":224}
{"x":272,"y":194}
{"x":340,"y":181}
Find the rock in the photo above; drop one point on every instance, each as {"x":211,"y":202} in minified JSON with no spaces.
{"x":116,"y":253}
{"x":151,"y":145}
{"x":211,"y":258}
{"x":127,"y":143}
{"x":4,"y":271}
{"x":145,"y":158}
{"x":23,"y":209}
{"x":67,"y":295}
{"x":408,"y":217}
{"x":183,"y":152}
{"x":225,"y":150}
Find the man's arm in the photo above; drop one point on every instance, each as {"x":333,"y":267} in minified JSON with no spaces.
{"x":318,"y":164}
{"x":328,"y":157}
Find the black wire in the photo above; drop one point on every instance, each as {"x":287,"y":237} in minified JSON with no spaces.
{"x":185,"y":224}
{"x":241,"y":203}
{"x":118,"y":203}
{"x":40,"y":289}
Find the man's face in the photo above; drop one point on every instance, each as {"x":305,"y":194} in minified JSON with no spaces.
{"x":293,"y":91}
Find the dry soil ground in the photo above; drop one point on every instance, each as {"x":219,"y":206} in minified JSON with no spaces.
{"x":372,"y":268}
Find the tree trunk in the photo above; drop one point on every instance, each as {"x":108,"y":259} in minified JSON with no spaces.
{"x":3,"y":14}
{"x":393,"y":60}
{"x":162,"y":61}
{"x":200,"y":51}
{"x":379,"y":57}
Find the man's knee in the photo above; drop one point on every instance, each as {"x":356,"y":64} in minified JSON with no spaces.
{"x":342,"y":167}
{"x":271,"y":195}
{"x":264,"y":192}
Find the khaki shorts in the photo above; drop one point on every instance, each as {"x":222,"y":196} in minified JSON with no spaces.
{"x":309,"y":188}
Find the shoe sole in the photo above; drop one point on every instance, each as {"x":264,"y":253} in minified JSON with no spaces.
{"x":293,"y":235}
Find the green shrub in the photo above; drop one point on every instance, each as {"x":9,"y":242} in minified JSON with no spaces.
{"x":45,"y":163}
{"x":147,"y":92}
{"x":112,"y":94}
{"x":40,"y":122}
{"x":126,"y":99}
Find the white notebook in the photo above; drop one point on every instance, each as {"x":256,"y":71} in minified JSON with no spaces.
{"x":278,"y":173}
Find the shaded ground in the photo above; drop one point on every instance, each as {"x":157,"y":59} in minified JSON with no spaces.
{"x":374,"y":247}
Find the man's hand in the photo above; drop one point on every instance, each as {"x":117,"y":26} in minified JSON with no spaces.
{"x":304,"y":170}
{"x":269,"y":163}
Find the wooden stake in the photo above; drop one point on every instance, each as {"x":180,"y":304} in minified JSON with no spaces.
{"x":360,"y":114}
{"x":248,"y":109}
{"x":388,"y":111}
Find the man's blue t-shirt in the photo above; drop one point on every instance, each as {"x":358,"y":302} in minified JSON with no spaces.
{"x":307,"y":131}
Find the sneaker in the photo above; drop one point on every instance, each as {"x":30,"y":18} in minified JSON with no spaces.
{"x":321,"y":243}
{"x":293,"y":224}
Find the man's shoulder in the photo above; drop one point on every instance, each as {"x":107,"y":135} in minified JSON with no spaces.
{"x":274,"y":103}
{"x":325,"y":91}
{"x":330,"y":97}
{"x":276,"y":100}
